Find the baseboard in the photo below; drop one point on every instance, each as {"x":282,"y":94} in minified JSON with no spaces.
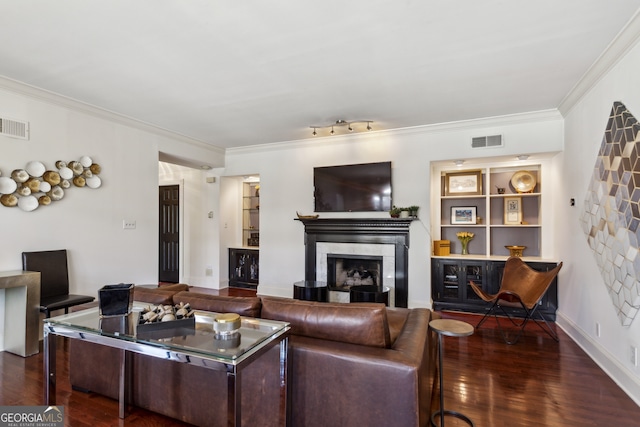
{"x":622,"y":376}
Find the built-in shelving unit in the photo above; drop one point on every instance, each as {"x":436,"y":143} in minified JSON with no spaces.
{"x":493,"y":231}
{"x":251,"y":213}
{"x":503,"y":217}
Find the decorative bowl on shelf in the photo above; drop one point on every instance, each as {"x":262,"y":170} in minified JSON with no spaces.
{"x":523,"y":181}
{"x":516,"y":250}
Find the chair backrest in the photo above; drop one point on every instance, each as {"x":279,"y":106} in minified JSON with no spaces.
{"x":529,"y":284}
{"x":52,"y":265}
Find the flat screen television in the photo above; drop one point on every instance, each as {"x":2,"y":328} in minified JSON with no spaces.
{"x":353,"y":188}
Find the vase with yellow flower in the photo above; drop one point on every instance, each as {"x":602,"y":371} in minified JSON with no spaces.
{"x":464,"y":237}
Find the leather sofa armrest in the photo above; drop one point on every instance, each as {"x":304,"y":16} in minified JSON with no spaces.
{"x":397,"y":381}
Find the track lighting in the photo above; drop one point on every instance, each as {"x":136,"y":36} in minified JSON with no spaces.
{"x":342,"y":123}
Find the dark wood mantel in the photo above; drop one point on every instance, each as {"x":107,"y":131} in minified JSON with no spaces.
{"x":393,"y":231}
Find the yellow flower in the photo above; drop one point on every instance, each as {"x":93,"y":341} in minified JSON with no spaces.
{"x":465,"y":235}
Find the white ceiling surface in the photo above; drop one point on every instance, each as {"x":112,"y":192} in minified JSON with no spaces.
{"x":237,"y":73}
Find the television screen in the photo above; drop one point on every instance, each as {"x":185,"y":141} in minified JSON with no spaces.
{"x":353,"y":188}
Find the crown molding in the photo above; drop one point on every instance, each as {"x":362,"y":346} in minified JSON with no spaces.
{"x":624,"y":41}
{"x":509,"y":119}
{"x":82,"y":107}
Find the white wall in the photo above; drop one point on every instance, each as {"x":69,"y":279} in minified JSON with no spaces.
{"x":88,"y":223}
{"x":583,"y":296}
{"x":286,"y":184}
{"x":199,"y":236}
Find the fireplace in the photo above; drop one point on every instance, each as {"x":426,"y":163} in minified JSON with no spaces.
{"x":387,"y":238}
{"x":346,"y":271}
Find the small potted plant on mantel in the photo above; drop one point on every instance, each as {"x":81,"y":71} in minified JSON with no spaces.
{"x":413,"y":211}
{"x":395,"y":211}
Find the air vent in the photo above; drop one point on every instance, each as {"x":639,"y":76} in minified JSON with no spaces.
{"x":486,"y":141}
{"x":14,"y":128}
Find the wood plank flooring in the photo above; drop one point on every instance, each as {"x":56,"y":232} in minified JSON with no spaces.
{"x":536,"y":382}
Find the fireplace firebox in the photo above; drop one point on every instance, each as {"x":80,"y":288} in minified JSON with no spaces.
{"x":346,"y":271}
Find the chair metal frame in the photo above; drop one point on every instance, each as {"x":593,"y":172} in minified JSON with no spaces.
{"x":521,"y":287}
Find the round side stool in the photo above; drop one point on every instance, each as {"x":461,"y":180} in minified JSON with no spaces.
{"x":450,"y":328}
{"x":310,"y":290}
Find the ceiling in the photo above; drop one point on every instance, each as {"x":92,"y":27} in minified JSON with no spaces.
{"x":238,"y":73}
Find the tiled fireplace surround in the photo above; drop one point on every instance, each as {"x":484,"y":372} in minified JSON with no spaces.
{"x":385,"y":237}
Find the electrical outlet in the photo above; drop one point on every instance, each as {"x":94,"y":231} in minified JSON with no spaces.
{"x":597,"y":329}
{"x":634,"y":356}
{"x":128,"y":224}
{"x":209,"y":271}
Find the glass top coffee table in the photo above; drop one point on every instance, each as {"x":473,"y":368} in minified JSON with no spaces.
{"x":196,"y":344}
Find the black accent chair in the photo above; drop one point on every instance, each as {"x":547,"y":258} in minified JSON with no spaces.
{"x":54,"y":280}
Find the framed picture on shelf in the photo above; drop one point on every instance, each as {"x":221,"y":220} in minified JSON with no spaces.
{"x":513,"y":210}
{"x":467,"y":183}
{"x":463,"y":215}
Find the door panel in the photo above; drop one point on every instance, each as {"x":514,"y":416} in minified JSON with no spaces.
{"x":169,"y":241}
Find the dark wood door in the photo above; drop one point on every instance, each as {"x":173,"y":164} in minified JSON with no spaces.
{"x":169,"y":242}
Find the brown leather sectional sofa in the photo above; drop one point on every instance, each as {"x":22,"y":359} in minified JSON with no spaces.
{"x":359,"y":364}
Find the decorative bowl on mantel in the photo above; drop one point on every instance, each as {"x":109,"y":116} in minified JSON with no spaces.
{"x":516,"y":250}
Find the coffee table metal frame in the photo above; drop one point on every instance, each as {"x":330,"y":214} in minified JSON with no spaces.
{"x":63,"y":326}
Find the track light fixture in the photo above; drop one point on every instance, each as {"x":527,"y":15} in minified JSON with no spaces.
{"x":341,"y":123}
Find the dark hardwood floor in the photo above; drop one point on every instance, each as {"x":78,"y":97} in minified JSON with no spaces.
{"x":536,"y":382}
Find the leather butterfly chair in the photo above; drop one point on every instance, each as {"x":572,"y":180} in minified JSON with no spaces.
{"x":54,"y":280}
{"x":521,"y":287}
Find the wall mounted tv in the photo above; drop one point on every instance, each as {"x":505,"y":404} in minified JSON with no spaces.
{"x":353,"y":188}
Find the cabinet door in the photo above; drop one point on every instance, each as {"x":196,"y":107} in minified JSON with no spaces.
{"x":243,"y":267}
{"x":473,"y":271}
{"x":236,"y":266}
{"x":447,"y":280}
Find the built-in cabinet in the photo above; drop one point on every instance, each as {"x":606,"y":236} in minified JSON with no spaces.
{"x":244,"y":268}
{"x":487,"y":199}
{"x":451,"y":290}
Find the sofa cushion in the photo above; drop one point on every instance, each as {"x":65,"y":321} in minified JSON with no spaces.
{"x":363,"y":323}
{"x":244,"y":306}
{"x":153,"y":295}
{"x":176,"y":287}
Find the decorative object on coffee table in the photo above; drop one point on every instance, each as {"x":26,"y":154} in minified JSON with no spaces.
{"x":226,"y":323}
{"x":116,"y":300}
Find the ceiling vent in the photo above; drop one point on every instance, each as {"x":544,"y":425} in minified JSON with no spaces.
{"x":14,"y":128}
{"x":486,"y":141}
